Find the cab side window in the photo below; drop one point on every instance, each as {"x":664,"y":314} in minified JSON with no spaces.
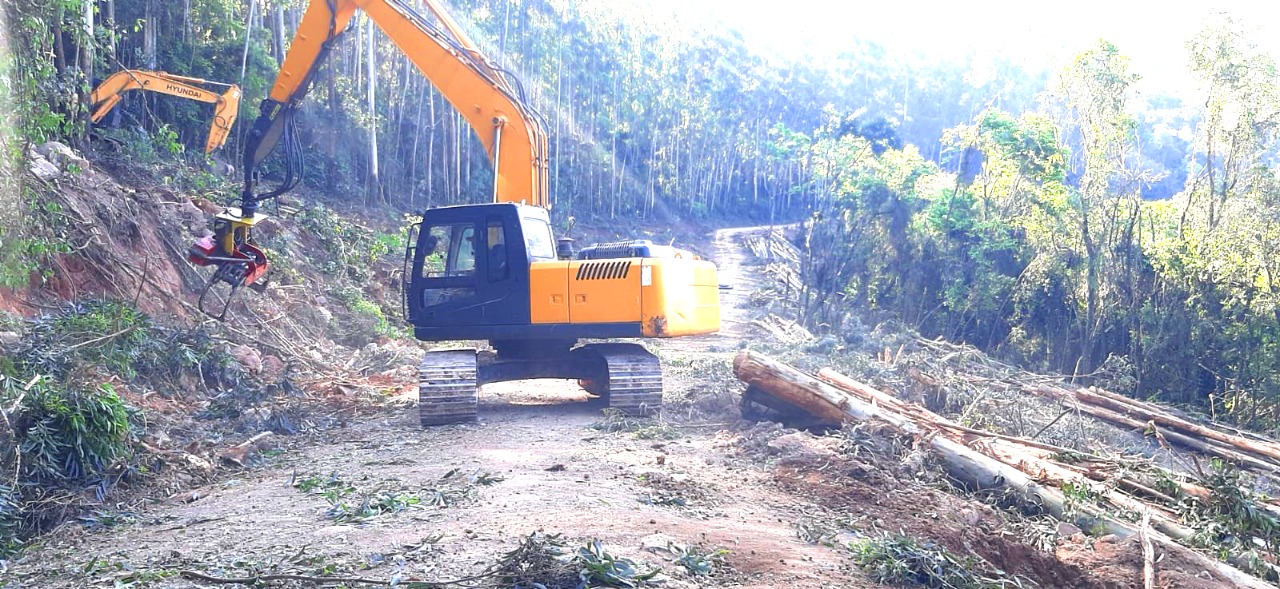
{"x":499,"y":255}
{"x":449,"y":250}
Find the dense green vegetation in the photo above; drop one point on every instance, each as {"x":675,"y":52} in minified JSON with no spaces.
{"x":1043,"y":248}
{"x":1055,"y":218}
{"x":67,"y":428}
{"x":645,"y":117}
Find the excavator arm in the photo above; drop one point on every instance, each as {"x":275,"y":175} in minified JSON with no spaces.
{"x":489,"y":98}
{"x":226,"y":105}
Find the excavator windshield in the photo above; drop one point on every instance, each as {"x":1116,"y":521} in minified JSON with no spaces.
{"x":537,"y":238}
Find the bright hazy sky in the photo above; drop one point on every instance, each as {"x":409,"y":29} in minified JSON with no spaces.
{"x":1046,"y":32}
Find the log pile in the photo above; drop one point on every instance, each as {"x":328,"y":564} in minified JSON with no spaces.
{"x":1041,"y":476}
{"x":780,"y":257}
{"x":783,"y":330}
{"x":1247,"y":452}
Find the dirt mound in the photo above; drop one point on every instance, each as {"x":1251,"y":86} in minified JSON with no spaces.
{"x":120,"y":242}
{"x":1119,"y":562}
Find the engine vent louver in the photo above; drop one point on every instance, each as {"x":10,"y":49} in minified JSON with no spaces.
{"x":604,"y":270}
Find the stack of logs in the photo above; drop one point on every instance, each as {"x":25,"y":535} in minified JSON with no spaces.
{"x":781,"y":259}
{"x":1030,"y":471}
{"x":1242,"y":449}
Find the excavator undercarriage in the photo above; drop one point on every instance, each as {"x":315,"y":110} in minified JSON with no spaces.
{"x":626,"y":376}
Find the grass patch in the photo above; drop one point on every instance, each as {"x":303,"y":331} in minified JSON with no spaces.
{"x":700,"y":561}
{"x":892,"y":559}
{"x":349,"y":502}
{"x":644,"y":428}
{"x":547,"y":561}
{"x":371,"y":505}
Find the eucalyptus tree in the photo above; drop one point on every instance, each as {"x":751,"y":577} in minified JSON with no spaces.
{"x":1092,"y":94}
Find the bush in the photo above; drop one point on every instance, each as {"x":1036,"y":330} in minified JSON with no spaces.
{"x":68,"y":430}
{"x":66,"y":439}
{"x":109,"y":335}
{"x":899,"y":559}
{"x":71,"y":438}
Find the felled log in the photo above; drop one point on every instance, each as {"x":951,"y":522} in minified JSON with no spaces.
{"x":794,"y":388}
{"x":1025,"y":455}
{"x":962,"y":463}
{"x":1147,"y":412}
{"x":1068,"y":398}
{"x":239,"y":454}
{"x":1148,"y":553}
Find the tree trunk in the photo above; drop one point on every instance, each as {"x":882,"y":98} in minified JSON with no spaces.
{"x":86,"y":46}
{"x":1069,"y":399}
{"x":150,"y":32}
{"x":373,"y":192}
{"x":248,"y":34}
{"x":59,"y":46}
{"x":414,"y":164}
{"x":431,"y":151}
{"x":86,"y":54}
{"x":111,"y":32}
{"x":279,"y":35}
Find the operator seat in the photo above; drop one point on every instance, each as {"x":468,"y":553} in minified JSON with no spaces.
{"x":498,"y":261}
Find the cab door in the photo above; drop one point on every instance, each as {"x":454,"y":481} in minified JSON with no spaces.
{"x":467,"y":270}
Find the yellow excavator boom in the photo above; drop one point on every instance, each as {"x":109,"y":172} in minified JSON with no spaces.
{"x":226,"y":105}
{"x":489,"y":98}
{"x":482,"y":271}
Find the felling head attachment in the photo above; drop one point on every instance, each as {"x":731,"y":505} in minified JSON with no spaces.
{"x":231,"y":251}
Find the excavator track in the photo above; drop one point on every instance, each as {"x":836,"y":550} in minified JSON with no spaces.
{"x":634,"y":384}
{"x":447,"y":388}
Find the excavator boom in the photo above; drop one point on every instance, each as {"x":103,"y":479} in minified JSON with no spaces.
{"x":226,"y":105}
{"x":489,"y":99}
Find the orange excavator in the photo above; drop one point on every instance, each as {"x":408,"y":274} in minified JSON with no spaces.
{"x":485,"y":271}
{"x":225,"y":105}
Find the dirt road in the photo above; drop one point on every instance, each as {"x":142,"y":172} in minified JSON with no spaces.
{"x":679,"y":484}
{"x":385,"y":499}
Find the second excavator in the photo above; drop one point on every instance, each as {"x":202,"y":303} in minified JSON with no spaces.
{"x":487,"y":271}
{"x":226,"y":105}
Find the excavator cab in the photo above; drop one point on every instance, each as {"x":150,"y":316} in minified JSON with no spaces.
{"x":469,"y":267}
